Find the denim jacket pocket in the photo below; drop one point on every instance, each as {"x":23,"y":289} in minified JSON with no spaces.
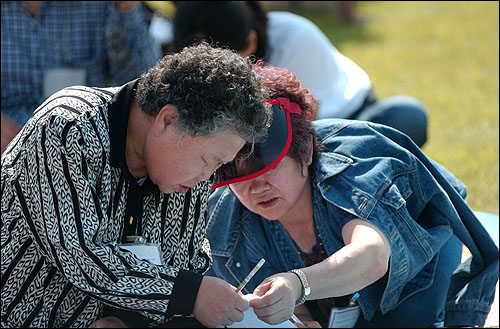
{"x":421,"y":281}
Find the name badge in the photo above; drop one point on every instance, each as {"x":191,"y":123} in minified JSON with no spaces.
{"x":145,"y":251}
{"x":344,"y":317}
{"x":58,"y":78}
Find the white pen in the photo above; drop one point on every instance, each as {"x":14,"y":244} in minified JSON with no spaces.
{"x":251,"y":274}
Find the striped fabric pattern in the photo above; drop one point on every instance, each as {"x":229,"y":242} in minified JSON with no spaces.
{"x":62,"y":215}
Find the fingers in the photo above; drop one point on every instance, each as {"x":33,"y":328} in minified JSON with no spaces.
{"x":236,"y":316}
{"x":241,"y":304}
{"x":268,"y":310}
{"x":274,"y":313}
{"x":262,"y":288}
{"x":269,"y":298}
{"x":272,"y":308}
{"x":275,"y":318}
{"x":217,"y":304}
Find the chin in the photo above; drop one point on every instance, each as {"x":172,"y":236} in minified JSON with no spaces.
{"x":270,"y":218}
{"x":167,"y":189}
{"x":269,"y":215}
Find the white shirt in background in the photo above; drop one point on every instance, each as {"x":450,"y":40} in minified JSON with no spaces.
{"x":338,"y":84}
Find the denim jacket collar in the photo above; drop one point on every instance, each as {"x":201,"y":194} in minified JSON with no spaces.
{"x":330,"y":164}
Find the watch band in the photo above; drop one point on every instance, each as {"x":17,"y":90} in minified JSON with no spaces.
{"x":306,"y":290}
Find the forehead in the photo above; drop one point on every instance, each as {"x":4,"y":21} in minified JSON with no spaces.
{"x":220,"y":147}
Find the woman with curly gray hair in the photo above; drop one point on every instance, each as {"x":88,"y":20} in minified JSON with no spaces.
{"x":105,"y":191}
{"x":213,"y":98}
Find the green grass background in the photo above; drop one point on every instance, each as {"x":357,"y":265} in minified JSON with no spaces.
{"x":445,"y":54}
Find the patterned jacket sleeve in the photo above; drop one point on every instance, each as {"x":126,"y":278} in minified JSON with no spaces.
{"x":65,"y":218}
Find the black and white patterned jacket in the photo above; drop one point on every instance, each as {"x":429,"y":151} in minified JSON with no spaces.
{"x":65,"y":188}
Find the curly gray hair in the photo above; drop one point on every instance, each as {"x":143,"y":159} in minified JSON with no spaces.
{"x":214,"y":90}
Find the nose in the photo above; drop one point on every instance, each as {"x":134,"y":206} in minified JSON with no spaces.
{"x":258,"y":185}
{"x":206,"y":174}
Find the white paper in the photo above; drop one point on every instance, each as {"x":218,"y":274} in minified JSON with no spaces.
{"x":344,"y":317}
{"x":148,"y":251}
{"x":252,"y":321}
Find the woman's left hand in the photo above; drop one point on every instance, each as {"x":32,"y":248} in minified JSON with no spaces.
{"x":277,"y":297}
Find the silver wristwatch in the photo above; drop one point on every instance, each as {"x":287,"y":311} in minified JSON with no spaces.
{"x":306,"y":290}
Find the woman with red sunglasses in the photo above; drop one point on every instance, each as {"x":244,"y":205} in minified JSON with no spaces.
{"x":353,"y":207}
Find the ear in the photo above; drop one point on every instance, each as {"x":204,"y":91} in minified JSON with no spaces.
{"x":167,"y":117}
{"x":304,"y":166}
{"x":251,"y":44}
{"x":310,"y":155}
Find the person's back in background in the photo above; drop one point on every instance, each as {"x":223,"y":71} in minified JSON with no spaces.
{"x":282,"y":39}
{"x":48,"y":45}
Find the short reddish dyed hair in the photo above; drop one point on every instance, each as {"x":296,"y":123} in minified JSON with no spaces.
{"x":282,"y":83}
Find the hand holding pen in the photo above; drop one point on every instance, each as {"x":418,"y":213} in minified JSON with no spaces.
{"x":217,"y":305}
{"x":251,"y":274}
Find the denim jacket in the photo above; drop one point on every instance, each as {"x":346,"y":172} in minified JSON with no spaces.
{"x":377,"y":174}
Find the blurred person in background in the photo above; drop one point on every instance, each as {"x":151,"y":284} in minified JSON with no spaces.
{"x":48,"y":45}
{"x":282,"y":39}
{"x":98,"y":171}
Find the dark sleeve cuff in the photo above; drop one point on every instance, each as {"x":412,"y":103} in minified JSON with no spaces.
{"x":184,"y":294}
